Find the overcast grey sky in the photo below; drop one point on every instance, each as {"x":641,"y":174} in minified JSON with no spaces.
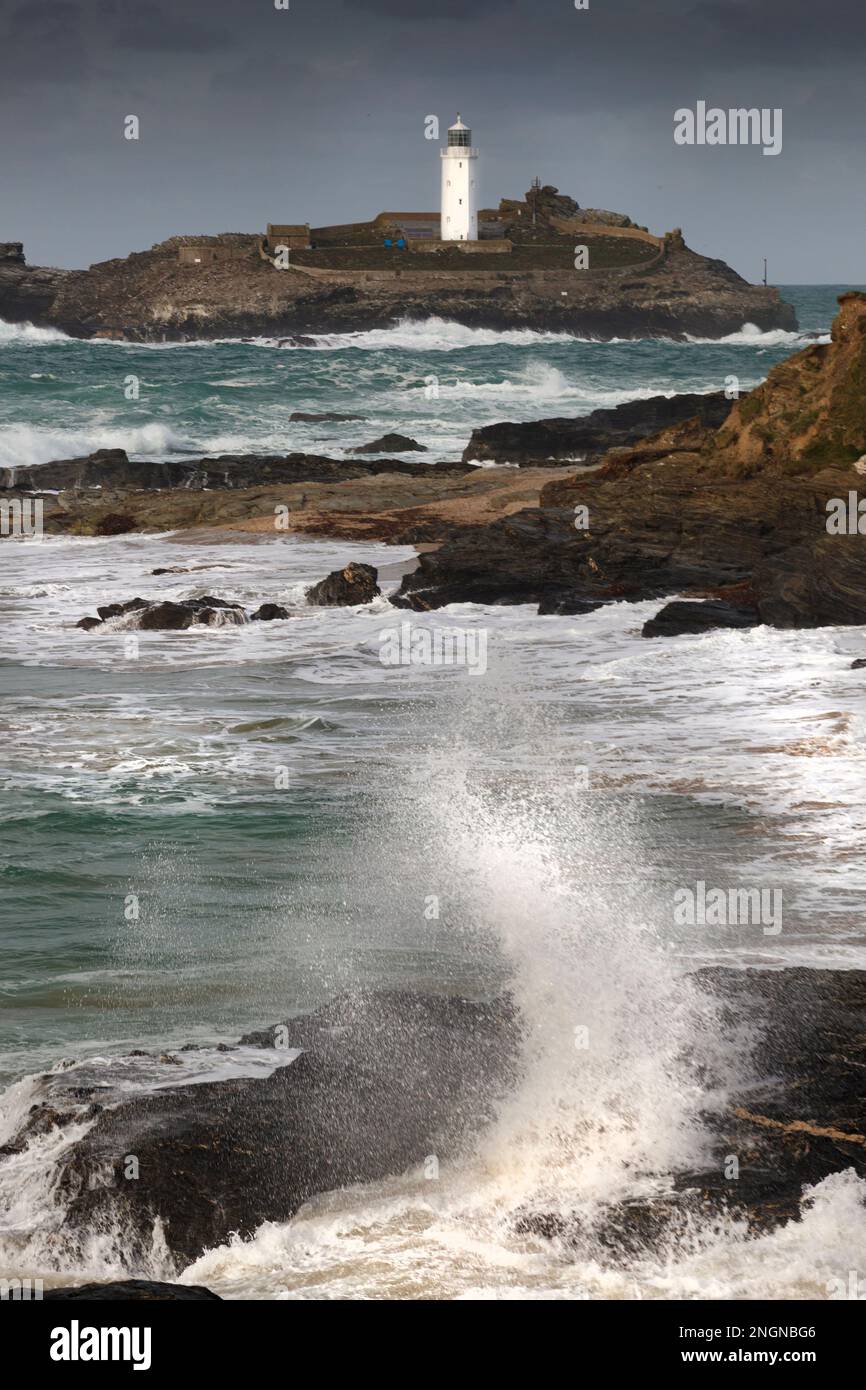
{"x":316,"y":113}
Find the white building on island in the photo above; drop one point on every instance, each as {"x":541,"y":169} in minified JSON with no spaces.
{"x":459,"y":186}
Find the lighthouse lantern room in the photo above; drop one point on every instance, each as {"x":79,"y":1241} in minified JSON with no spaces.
{"x":459,"y":186}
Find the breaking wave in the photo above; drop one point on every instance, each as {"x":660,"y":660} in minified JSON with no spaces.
{"x":750,"y":335}
{"x":29,"y":333}
{"x":22,"y":446}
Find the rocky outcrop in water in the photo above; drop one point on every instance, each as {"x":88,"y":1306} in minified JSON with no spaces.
{"x":166,"y":616}
{"x":387,"y":1080}
{"x":151,"y":296}
{"x":132,"y":1291}
{"x":711,"y":512}
{"x":27,"y":293}
{"x":391,"y":444}
{"x":343,"y":588}
{"x":802,"y":1120}
{"x":537,"y":441}
{"x":112,"y":470}
{"x":269,"y":613}
{"x":384,"y":1081}
{"x":109,"y":493}
{"x":679,"y":618}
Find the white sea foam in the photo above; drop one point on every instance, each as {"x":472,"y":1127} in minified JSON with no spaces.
{"x":411,"y":1238}
{"x":591,"y":1121}
{"x":23,"y":446}
{"x":27,"y":333}
{"x":750,"y":335}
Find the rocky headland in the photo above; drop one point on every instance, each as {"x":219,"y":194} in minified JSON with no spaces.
{"x":737,"y":514}
{"x":637,"y":285}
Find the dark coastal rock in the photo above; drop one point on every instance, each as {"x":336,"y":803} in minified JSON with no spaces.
{"x":384,"y":1080}
{"x":566,"y":605}
{"x":119,"y":610}
{"x":104,"y":468}
{"x":537,"y":441}
{"x":858,"y":664}
{"x":168,"y":616}
{"x":114,"y":524}
{"x":743,"y":508}
{"x":211,"y":612}
{"x":342,"y":588}
{"x":682,"y":617}
{"x":111,"y":473}
{"x":150,"y":296}
{"x":325,"y":416}
{"x":802,"y":1120}
{"x":269,"y":613}
{"x":390,"y":443}
{"x":132,"y":1291}
{"x":298,"y":340}
{"x":27,"y":293}
{"x":480,"y":589}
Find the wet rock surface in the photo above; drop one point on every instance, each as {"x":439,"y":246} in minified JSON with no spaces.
{"x":802,"y":1120}
{"x":390,"y":443}
{"x":536,"y":441}
{"x":113,"y":470}
{"x":355,"y":584}
{"x":384,"y":1080}
{"x":167,"y":616}
{"x":679,"y":618}
{"x":132,"y":1291}
{"x":269,"y":613}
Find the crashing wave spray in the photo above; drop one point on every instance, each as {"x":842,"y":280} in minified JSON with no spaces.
{"x":615,"y":1035}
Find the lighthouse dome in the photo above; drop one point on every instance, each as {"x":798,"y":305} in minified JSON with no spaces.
{"x":459,"y":135}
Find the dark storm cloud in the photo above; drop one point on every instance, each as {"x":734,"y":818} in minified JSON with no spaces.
{"x":434,"y":11}
{"x":42,"y":43}
{"x":156,"y":30}
{"x":797,"y":33}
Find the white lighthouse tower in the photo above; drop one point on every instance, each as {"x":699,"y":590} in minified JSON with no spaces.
{"x":459,"y":186}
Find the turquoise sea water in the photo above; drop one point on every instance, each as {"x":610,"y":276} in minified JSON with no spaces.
{"x":434,"y":381}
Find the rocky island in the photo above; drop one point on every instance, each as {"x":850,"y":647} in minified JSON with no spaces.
{"x":372,"y":274}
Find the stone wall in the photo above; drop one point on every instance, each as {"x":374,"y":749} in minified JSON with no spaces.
{"x":574,"y":226}
{"x":468,"y":248}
